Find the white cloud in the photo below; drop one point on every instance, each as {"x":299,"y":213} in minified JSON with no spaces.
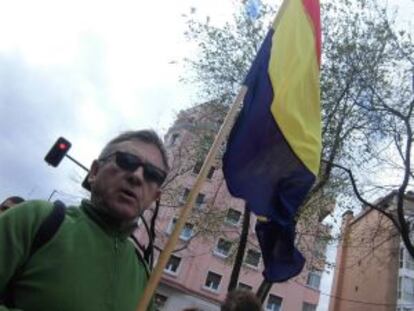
{"x":85,"y":70}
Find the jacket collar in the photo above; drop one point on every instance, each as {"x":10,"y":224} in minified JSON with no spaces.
{"x":106,"y":222}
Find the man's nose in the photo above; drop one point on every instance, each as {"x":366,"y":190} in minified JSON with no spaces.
{"x":137,"y":177}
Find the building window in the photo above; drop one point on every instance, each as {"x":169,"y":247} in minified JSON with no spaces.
{"x":252,"y":258}
{"x":409,"y":262}
{"x":308,"y":307}
{"x":406,"y":261}
{"x":314,"y":279}
{"x":274,"y":303}
{"x":197,"y":169}
{"x":211,"y":172}
{"x":187,"y":231}
{"x":159,"y":301}
{"x":200,"y":200}
{"x":408,"y":289}
{"x":174,"y":139}
{"x":185,"y":195}
{"x":244,"y":286}
{"x":173,"y":264}
{"x":213,"y":281}
{"x":233,"y":217}
{"x":223,"y":247}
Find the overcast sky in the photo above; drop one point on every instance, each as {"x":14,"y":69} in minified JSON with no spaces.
{"x":87,"y":70}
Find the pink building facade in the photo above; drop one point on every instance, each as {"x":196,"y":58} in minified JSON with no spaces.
{"x":198,"y":273}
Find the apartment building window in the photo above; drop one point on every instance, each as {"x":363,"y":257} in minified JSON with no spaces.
{"x":252,"y":258}
{"x":399,"y":289}
{"x":211,"y":172}
{"x":187,"y":231}
{"x":223,"y":247}
{"x":407,"y":289}
{"x":244,"y":286}
{"x":160,"y":301}
{"x":308,"y":307}
{"x":314,"y":279}
{"x":213,"y":281}
{"x":197,"y":168}
{"x":406,"y":261}
{"x":185,"y":195}
{"x":200,"y":200}
{"x":274,"y":303}
{"x":409,"y":262}
{"x":174,"y":138}
{"x":233,"y":217}
{"x":173,"y":264}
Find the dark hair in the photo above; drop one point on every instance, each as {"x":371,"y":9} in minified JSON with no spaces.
{"x":14,"y":200}
{"x":146,"y":136}
{"x":241,"y":300}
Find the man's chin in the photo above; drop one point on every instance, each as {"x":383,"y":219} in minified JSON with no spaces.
{"x":125,"y":212}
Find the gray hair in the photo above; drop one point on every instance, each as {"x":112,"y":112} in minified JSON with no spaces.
{"x":146,"y":136}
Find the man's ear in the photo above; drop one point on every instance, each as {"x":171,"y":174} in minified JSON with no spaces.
{"x":93,"y":172}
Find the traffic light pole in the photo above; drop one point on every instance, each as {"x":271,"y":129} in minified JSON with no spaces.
{"x":76,"y":162}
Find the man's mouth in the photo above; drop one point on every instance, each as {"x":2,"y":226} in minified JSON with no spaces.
{"x":129,"y":194}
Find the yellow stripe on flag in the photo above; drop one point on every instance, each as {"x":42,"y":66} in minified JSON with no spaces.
{"x":294,"y":74}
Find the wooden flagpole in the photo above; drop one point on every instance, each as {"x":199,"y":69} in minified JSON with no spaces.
{"x":185,"y":211}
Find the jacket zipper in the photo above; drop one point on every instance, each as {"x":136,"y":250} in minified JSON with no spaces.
{"x":115,"y":271}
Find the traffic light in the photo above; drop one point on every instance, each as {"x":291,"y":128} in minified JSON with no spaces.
{"x":58,"y":151}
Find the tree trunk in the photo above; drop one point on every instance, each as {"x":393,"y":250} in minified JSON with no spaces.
{"x":234,"y":278}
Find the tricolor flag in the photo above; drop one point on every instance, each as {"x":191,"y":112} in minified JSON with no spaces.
{"x":273,"y":152}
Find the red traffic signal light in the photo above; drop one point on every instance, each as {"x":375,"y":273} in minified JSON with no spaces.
{"x":63,"y":146}
{"x":57,"y":152}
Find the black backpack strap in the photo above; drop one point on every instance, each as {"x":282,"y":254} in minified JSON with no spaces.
{"x":138,"y":248}
{"x":49,"y":227}
{"x":44,"y":234}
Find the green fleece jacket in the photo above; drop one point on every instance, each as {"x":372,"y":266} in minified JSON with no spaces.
{"x":88,"y":265}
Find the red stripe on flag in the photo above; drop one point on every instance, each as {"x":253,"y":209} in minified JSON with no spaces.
{"x":313,"y":10}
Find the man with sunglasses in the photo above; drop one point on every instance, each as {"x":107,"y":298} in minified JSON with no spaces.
{"x":88,"y":262}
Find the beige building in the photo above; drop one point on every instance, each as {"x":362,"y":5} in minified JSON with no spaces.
{"x":373,"y":269}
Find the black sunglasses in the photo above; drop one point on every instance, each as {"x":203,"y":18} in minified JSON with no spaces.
{"x":131,"y":163}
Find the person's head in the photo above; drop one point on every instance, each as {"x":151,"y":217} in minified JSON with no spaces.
{"x":127,"y":177}
{"x":10,"y":202}
{"x":241,"y":300}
